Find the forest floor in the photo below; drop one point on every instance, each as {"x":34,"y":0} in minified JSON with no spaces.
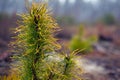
{"x":103,"y":63}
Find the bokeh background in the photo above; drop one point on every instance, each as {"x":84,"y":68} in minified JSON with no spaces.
{"x":90,"y":25}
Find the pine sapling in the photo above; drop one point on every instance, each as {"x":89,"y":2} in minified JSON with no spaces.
{"x":34,"y":39}
{"x":35,"y":46}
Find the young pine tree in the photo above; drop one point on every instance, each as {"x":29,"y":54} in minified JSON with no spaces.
{"x":34,"y":39}
{"x":35,"y":45}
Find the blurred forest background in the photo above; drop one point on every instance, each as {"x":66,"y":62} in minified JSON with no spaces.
{"x":98,"y":18}
{"x":74,"y":10}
